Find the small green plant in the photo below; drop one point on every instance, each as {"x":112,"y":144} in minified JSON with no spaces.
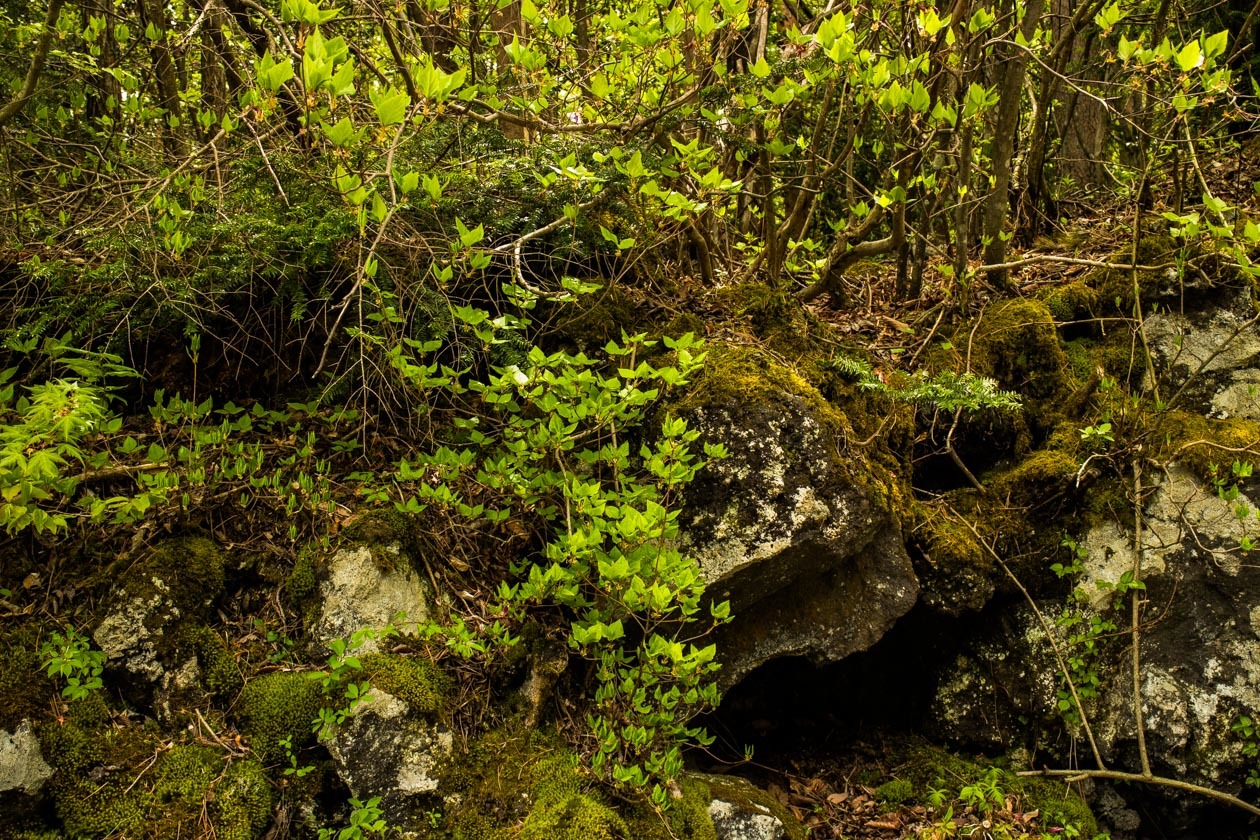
{"x":1246,"y":730}
{"x":294,"y":769}
{"x":1097,"y":435}
{"x":1077,"y":564}
{"x":70,"y":656}
{"x":344,"y":693}
{"x":984,"y":794}
{"x":365,"y":821}
{"x":281,"y":644}
{"x":946,"y":390}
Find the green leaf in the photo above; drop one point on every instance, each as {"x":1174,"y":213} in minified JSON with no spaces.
{"x":391,"y":105}
{"x":1189,"y":57}
{"x":1215,"y":44}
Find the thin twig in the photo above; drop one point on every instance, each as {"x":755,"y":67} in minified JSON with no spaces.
{"x":1120,"y":776}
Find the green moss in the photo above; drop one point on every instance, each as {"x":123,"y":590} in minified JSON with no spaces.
{"x":220,"y":675}
{"x":927,"y":766}
{"x":1036,"y":476}
{"x":950,"y":542}
{"x":90,"y":809}
{"x":415,"y":681}
{"x":1116,"y":288}
{"x":24,"y":688}
{"x":576,"y":817}
{"x":1070,"y":301}
{"x":1201,"y":443}
{"x":1016,"y":343}
{"x":301,"y":582}
{"x":191,"y":569}
{"x":532,"y":781}
{"x":735,"y":376}
{"x":242,"y":802}
{"x":895,"y":792}
{"x":276,"y":706}
{"x":746,"y":796}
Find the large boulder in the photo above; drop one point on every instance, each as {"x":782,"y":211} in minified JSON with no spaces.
{"x":802,"y":540}
{"x":178,"y":581}
{"x":1214,"y":353}
{"x":1200,"y":640}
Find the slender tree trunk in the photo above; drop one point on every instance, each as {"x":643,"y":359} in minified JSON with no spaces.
{"x":1011,"y":71}
{"x":14,"y":105}
{"x":153,"y":12}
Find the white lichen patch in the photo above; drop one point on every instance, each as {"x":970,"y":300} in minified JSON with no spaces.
{"x":360,"y":594}
{"x":125,"y":637}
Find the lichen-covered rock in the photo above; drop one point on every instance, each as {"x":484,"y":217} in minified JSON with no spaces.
{"x":22,"y":765}
{"x":366,"y":588}
{"x":802,"y":541}
{"x":1003,"y":681}
{"x":735,"y":823}
{"x":388,"y":750}
{"x":1215,"y":353}
{"x":178,"y":581}
{"x":1201,"y":658}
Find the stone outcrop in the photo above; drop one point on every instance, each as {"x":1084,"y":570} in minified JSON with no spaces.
{"x":802,"y":543}
{"x":388,"y":750}
{"x":1214,"y":353}
{"x":368,"y":588}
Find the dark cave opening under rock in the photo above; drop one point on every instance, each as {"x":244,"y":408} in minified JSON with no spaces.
{"x":790,"y":705}
{"x":790,"y":714}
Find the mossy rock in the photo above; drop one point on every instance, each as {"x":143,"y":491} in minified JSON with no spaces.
{"x":220,"y":675}
{"x":1116,"y":288}
{"x":1201,"y":443}
{"x":279,"y":705}
{"x":192,"y":570}
{"x":528,"y":785}
{"x":1016,"y":342}
{"x":1037,"y":476}
{"x":1071,"y":301}
{"x":416,"y":681}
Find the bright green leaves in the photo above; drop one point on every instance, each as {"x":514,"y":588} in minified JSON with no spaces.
{"x":272,"y":74}
{"x":391,"y":105}
{"x":1189,"y":57}
{"x":306,"y":11}
{"x":326,"y":65}
{"x":435,"y":84}
{"x":342,"y":133}
{"x":1109,"y":17}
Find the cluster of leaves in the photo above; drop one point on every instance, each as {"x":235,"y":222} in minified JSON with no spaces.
{"x":555,"y":445}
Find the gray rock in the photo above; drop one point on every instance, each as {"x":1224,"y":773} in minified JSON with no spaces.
{"x":812,"y":562}
{"x":177,"y":581}
{"x":1220,"y":349}
{"x":129,"y":634}
{"x":1201,"y":658}
{"x":745,"y":822}
{"x":386,"y":750}
{"x":1200,"y":645}
{"x":22,"y":765}
{"x":367,"y":589}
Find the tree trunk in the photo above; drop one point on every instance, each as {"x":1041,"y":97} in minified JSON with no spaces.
{"x":1011,"y":72}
